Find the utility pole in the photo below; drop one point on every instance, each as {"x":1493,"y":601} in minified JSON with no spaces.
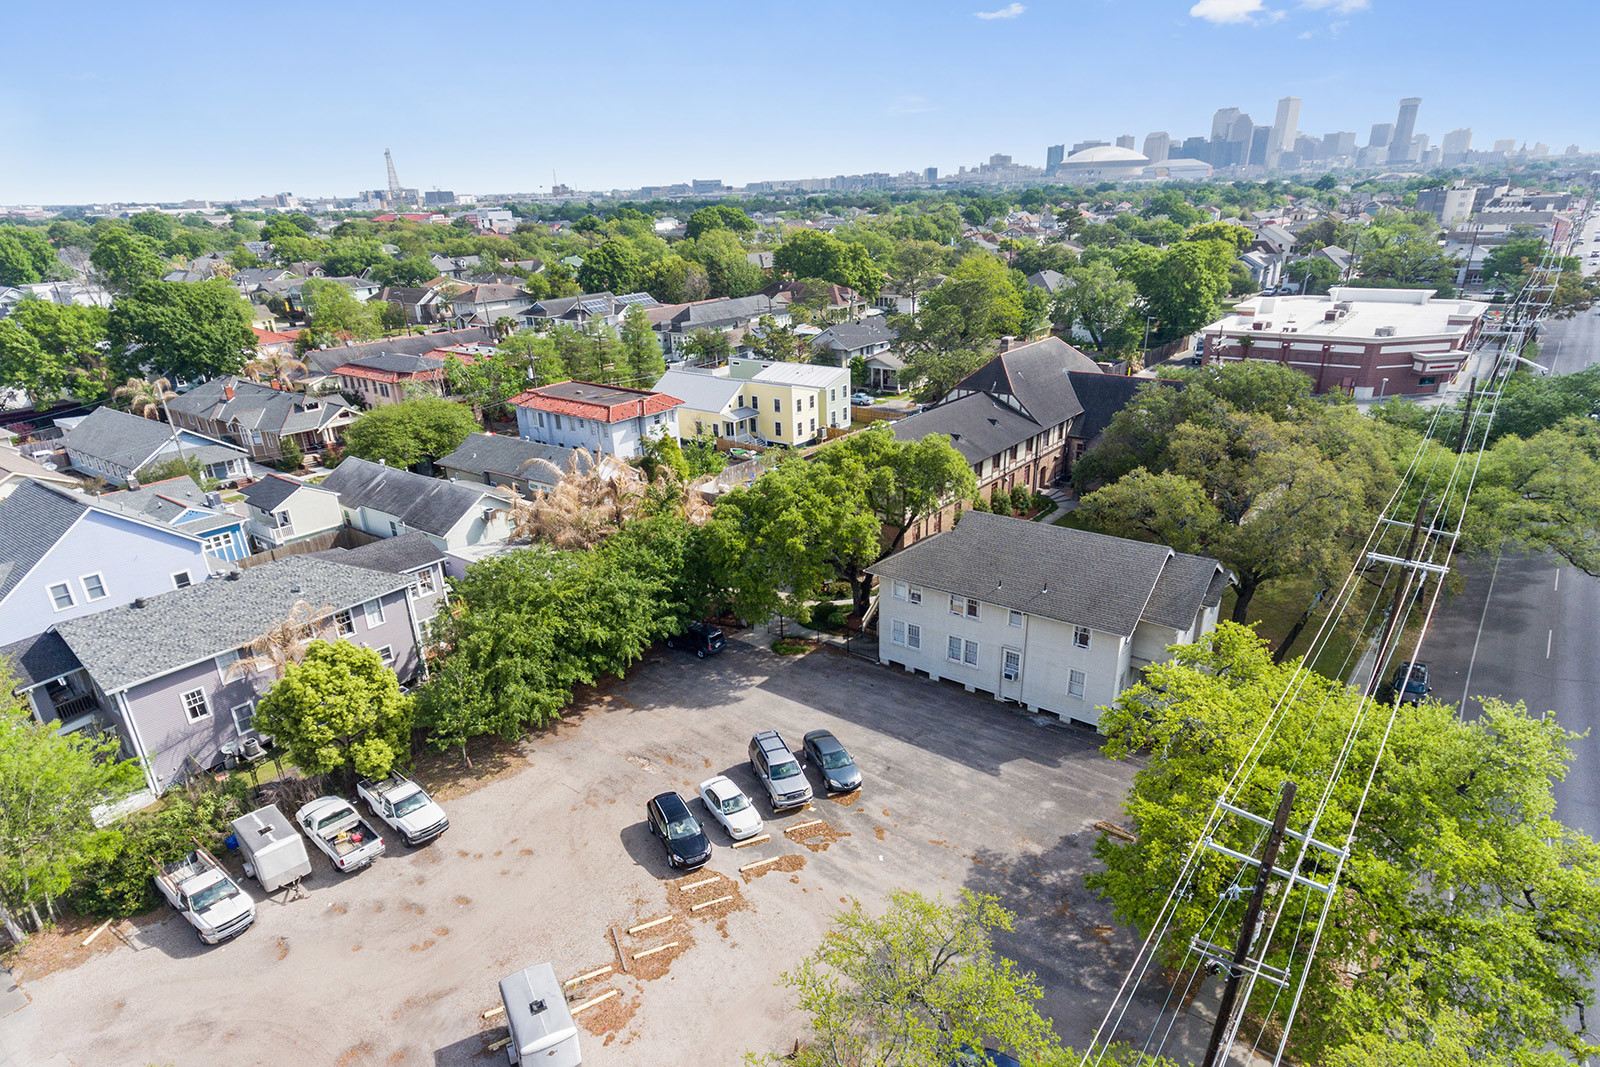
{"x":1399,"y":599}
{"x":1466,"y":416}
{"x":1247,"y":931}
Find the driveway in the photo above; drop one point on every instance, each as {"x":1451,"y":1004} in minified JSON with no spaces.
{"x":393,"y":965}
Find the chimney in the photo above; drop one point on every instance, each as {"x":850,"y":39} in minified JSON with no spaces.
{"x":1007,"y":343}
{"x":227,"y":392}
{"x":133,"y":481}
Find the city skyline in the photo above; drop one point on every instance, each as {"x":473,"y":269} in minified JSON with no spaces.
{"x":921,"y":88}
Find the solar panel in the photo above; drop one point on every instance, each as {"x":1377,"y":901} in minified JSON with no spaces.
{"x":595,"y":307}
{"x":644,"y":300}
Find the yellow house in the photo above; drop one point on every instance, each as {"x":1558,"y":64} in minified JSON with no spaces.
{"x":758,"y":400}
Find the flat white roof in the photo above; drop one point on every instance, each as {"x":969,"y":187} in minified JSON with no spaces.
{"x":1412,"y":313}
{"x":808,"y":375}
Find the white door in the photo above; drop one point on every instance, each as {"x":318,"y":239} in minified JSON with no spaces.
{"x":1011,"y":673}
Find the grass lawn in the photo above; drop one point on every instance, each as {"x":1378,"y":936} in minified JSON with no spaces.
{"x":1069,"y":519}
{"x":1276,"y":606}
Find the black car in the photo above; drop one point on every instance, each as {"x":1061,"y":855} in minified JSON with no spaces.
{"x":680,"y":833}
{"x":701,"y":637}
{"x":1411,"y":682}
{"x":839,"y":772}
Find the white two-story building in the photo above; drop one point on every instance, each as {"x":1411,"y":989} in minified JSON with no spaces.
{"x":1056,"y":619}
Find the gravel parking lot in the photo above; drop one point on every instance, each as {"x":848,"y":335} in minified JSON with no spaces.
{"x":393,"y":965}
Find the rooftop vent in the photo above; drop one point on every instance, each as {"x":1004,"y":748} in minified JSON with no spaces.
{"x":1383,"y":331}
{"x":141,"y":602}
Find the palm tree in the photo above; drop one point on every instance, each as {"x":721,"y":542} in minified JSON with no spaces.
{"x":285,"y":641}
{"x":504,"y":326}
{"x":147,"y":399}
{"x":275,"y":366}
{"x":590,"y":502}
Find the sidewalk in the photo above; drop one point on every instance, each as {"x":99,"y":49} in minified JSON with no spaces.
{"x":1064,"y":502}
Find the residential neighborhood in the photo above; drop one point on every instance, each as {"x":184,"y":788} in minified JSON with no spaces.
{"x":596,"y":604}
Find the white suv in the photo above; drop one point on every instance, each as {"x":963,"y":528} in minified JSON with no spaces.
{"x":778,"y":771}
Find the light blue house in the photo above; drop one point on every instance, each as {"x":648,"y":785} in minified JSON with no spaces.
{"x":64,"y":555}
{"x":183,"y":505}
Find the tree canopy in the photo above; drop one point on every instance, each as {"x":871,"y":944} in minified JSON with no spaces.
{"x":48,"y":349}
{"x":405,"y":434}
{"x":184,"y":330}
{"x":339,"y":708}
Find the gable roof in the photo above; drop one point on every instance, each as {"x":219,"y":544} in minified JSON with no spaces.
{"x":259,"y":407}
{"x":506,"y":456}
{"x":1035,"y":375}
{"x":410,"y":551}
{"x":430,"y":504}
{"x":123,"y":646}
{"x":273,"y":490}
{"x":850,"y":336}
{"x":167,"y":500}
{"x":39,"y":658}
{"x":118,"y":437}
{"x":1048,"y":280}
{"x":590,"y":400}
{"x":977,"y":424}
{"x":1072,"y":576}
{"x":324,"y":360}
{"x":700,"y":390}
{"x":1103,"y":395}
{"x":1186,"y":584}
{"x":32,"y":519}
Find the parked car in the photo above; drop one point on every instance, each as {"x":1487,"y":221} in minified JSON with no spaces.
{"x":730,"y":807}
{"x":702,"y":638}
{"x":680,"y":833}
{"x":200,"y":890}
{"x":406,"y":807}
{"x":862,"y":400}
{"x":778,"y":771}
{"x":1411,"y":682}
{"x":334,"y":826}
{"x":839,"y":772}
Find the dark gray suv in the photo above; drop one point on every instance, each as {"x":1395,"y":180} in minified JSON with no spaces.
{"x":778,"y":771}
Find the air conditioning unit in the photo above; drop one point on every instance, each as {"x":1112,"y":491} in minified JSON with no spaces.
{"x":1383,"y":331}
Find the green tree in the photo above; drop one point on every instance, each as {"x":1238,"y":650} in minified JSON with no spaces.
{"x":979,"y":301}
{"x":1314,"y":276}
{"x":1165,"y":508}
{"x":708,"y":346}
{"x":1463,"y":894}
{"x":335,"y":312}
{"x":405,"y":434}
{"x":932,"y":373}
{"x":124,"y":260}
{"x":1103,"y":304}
{"x":1229,"y":232}
{"x":1184,"y":286}
{"x":612,"y":267}
{"x":49,"y":783}
{"x":25,"y":256}
{"x":913,"y":269}
{"x":188,"y":330}
{"x":718,"y":217}
{"x":537,"y":356}
{"x":816,"y":254}
{"x":48,"y":349}
{"x":352,"y":258}
{"x":641,"y":348}
{"x":1512,"y":259}
{"x":918,"y":986}
{"x":723,"y":258}
{"x":702,"y":456}
{"x":488,"y":381}
{"x":339,"y":710}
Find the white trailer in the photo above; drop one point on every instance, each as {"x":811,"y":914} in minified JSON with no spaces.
{"x":542,"y":1030}
{"x":273,"y":853}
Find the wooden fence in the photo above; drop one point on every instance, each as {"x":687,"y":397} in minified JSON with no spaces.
{"x":344,"y":537}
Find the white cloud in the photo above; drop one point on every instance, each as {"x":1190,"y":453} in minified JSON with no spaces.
{"x":909,"y":104}
{"x":1224,"y":11}
{"x":1342,"y":7}
{"x":1306,"y":35}
{"x":1010,"y":11}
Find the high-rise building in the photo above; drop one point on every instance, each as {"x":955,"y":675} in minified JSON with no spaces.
{"x":1505,"y":146}
{"x":1456,"y":144}
{"x":1157,"y":147}
{"x":931,"y":174}
{"x":1231,"y":133}
{"x":1285,"y":127}
{"x":1082,"y":145}
{"x":1222,"y":120}
{"x":1382,"y":135}
{"x":1307,"y":147}
{"x":1192,"y":148}
{"x":1053,"y":155}
{"x":1418,"y":149}
{"x":1572,"y":150}
{"x":1125,"y":141}
{"x":1260,"y":146}
{"x":1335,"y":145}
{"x":1405,"y":127}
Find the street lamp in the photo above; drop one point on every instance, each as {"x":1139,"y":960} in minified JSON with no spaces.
{"x":1382,"y":387}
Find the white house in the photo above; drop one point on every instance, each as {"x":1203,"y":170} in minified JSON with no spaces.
{"x":282,"y":510}
{"x":605,"y":419}
{"x":1056,"y":619}
{"x":387,"y":502}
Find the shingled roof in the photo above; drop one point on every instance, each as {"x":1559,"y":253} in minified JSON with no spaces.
{"x":1072,"y":576}
{"x":32,"y":519}
{"x":325,"y":360}
{"x":430,"y":504}
{"x":485,"y":453}
{"x":411,"y":551}
{"x":153,"y":636}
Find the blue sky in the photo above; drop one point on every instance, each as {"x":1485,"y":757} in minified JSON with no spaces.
{"x":165,"y":101}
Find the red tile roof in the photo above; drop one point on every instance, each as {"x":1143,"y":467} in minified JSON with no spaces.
{"x":353,"y":371}
{"x":589,"y":400}
{"x":268,"y":337}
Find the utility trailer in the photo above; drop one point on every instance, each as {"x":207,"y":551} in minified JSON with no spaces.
{"x":274,"y":854}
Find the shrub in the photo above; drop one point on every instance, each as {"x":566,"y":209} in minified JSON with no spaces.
{"x":788,"y":646}
{"x":1021,"y":497}
{"x":291,"y":458}
{"x":980,"y":504}
{"x":121,"y":885}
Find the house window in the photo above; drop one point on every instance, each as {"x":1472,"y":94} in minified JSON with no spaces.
{"x":1080,"y":636}
{"x":61,"y":596}
{"x":898,"y":632}
{"x":558,"y":422}
{"x":374,"y":612}
{"x":777,"y":429}
{"x":727,"y":429}
{"x":970,"y":655}
{"x":914,"y":594}
{"x":394,"y":528}
{"x":94,"y":587}
{"x":386,"y":653}
{"x":195,"y":706}
{"x":181,"y":580}
{"x":1016,"y":618}
{"x":952,"y":650}
{"x":812,"y":401}
{"x":1075,"y":683}
{"x":957,"y":605}
{"x":244,"y":717}
{"x":344,"y":623}
{"x":777,"y":405}
{"x":972,"y":608}
{"x":221,"y":544}
{"x":383,"y":389}
{"x":799,"y":430}
{"x":813,"y":425}
{"x":833,"y":395}
{"x":900,"y":589}
{"x":423,"y":585}
{"x":913,"y":635}
{"x":699,"y":428}
{"x":282,"y":521}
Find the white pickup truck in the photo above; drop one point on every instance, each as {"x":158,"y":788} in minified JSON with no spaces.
{"x":209,"y":900}
{"x":406,"y":807}
{"x":334,"y":826}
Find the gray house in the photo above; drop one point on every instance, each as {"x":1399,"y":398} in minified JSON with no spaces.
{"x":510,"y":462}
{"x":164,"y":674}
{"x":411,"y":556}
{"x":465,"y":520}
{"x":113,"y":445}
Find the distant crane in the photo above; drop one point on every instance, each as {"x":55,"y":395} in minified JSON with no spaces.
{"x":395,"y":192}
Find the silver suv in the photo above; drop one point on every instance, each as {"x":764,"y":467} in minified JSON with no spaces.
{"x":778,"y":771}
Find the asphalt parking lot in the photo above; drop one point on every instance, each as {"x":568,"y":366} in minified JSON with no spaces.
{"x":394,"y":964}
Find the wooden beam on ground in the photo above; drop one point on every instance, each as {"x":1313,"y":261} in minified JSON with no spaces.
{"x":803,"y":825}
{"x":653,"y":951}
{"x":701,"y":882}
{"x":592,"y":1001}
{"x":498,"y":1009}
{"x":757,"y":863}
{"x":747,"y":842}
{"x":98,"y":930}
{"x":711,"y":903}
{"x":596,"y":973}
{"x":648,"y":925}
